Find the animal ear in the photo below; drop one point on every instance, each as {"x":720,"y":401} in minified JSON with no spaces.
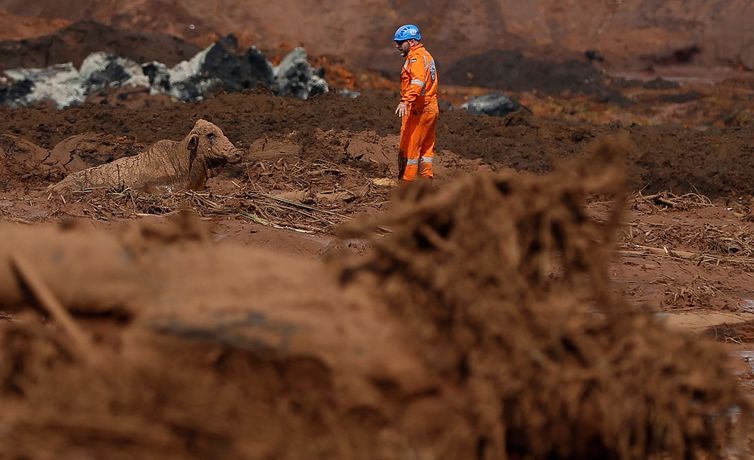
{"x":193,"y":142}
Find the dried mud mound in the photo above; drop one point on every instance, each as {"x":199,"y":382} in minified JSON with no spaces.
{"x":482,"y":327}
{"x":18,"y":159}
{"x":85,"y":150}
{"x":77,"y":41}
{"x":511,"y":71}
{"x":15,"y":27}
{"x":23,"y":164}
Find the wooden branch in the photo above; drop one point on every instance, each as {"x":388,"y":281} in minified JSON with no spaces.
{"x":686,"y":255}
{"x":83,"y":347}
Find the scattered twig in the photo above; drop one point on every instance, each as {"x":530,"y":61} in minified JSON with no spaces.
{"x":297,"y":204}
{"x":668,"y":200}
{"x":700,"y":257}
{"x":83,"y":348}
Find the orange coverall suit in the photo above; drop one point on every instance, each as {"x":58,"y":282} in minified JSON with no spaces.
{"x":419,"y":93}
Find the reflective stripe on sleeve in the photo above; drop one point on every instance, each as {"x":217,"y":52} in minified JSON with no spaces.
{"x":417,"y":82}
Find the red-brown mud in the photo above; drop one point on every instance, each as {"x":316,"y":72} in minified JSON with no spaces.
{"x":712,"y":162}
{"x":482,"y":326}
{"x":637,"y":34}
{"x":501,"y":311}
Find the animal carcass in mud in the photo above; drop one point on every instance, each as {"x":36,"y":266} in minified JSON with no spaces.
{"x":185,"y":164}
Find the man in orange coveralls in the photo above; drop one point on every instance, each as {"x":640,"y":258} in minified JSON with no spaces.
{"x":418,"y":107}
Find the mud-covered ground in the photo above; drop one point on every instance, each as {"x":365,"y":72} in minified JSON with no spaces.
{"x":357,"y":138}
{"x":576,"y":282}
{"x":713,"y":162}
{"x":368,"y":371}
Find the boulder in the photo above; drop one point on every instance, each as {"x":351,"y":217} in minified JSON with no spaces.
{"x":219,"y":67}
{"x":11,"y":90}
{"x":492,"y":104}
{"x":61,"y":84}
{"x":103,"y":70}
{"x":296,"y":77}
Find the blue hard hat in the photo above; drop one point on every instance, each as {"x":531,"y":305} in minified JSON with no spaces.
{"x":407,"y":32}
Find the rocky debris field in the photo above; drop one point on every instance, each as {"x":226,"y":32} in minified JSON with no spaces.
{"x":216,"y":68}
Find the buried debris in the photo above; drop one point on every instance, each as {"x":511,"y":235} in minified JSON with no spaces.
{"x":482,"y":327}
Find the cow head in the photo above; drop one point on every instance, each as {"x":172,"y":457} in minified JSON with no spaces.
{"x":208,"y":148}
{"x":207,"y":143}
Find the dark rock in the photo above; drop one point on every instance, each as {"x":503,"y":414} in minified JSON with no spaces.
{"x":60,"y":84}
{"x":217,"y":68}
{"x":260,"y":66}
{"x":594,"y":55}
{"x":158,"y":75}
{"x":220,"y":68}
{"x":11,"y":92}
{"x":102,"y":70}
{"x":295,"y":77}
{"x":495,"y":104}
{"x":236,"y":72}
{"x":680,"y":56}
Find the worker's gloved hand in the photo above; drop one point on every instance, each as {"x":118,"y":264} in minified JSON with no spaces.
{"x":402,"y":109}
